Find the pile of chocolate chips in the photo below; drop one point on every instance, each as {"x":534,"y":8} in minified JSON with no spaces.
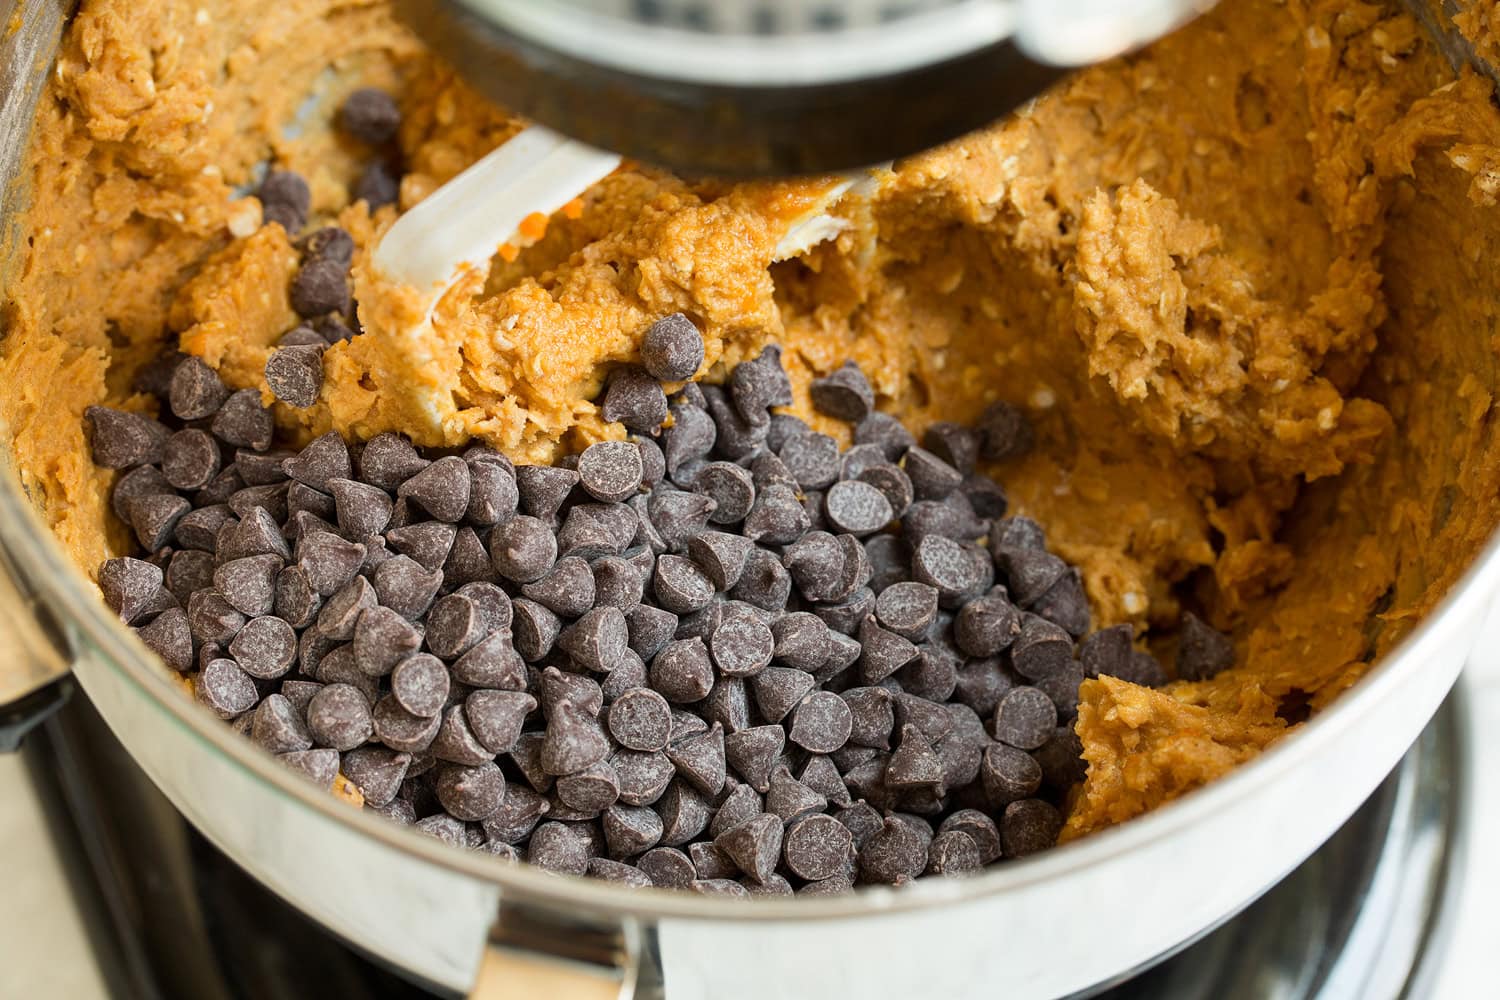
{"x":724,"y":655}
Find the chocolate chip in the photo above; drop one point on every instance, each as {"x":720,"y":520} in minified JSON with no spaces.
{"x":789,"y":798}
{"x":278,"y":726}
{"x":573,"y":740}
{"x":700,"y":760}
{"x":154,"y":518}
{"x":885,"y":431}
{"x":684,"y":813}
{"x":303,"y":499}
{"x":265,"y":647}
{"x":883,"y":652}
{"x":470,"y":792}
{"x":644,"y":775}
{"x":1029,"y":573}
{"x":822,"y":776}
{"x":738,"y":436}
{"x":1004,"y":432}
{"x":721,"y":556}
{"x":195,"y":390}
{"x":243,"y":422}
{"x":672,"y":348}
{"x":520,"y":810}
{"x":610,"y":471}
{"x":980,"y":684}
{"x":753,"y":752}
{"x":376,"y":772}
{"x":953,"y":853}
{"x":680,"y":586}
{"x":758,"y":385}
{"x":592,"y":530}
{"x":122,"y":440}
{"x":754,"y":845}
{"x":872,"y":716}
{"x":802,"y":642}
{"x":914,"y":765}
{"x":249,"y":584}
{"x":378,"y":185}
{"x":442,"y":489}
{"x":592,"y":790}
{"x":328,"y":561}
{"x":339,"y":717}
{"x":388,"y":460}
{"x":691,"y":436}
{"x":523,"y":549}
{"x":190,"y":458}
{"x":640,"y":719}
{"x":318,"y":766}
{"x":1029,"y":826}
{"x":1202,"y":651}
{"x":535,"y":629}
{"x":566,"y":589}
{"x":558,"y":847}
{"x":404,"y":586}
{"x":455,"y":741}
{"x":931,"y":477}
{"x":741,"y":648}
{"x":370,"y":115}
{"x":340,"y":614}
{"x":730,"y":487}
{"x":728,"y":704}
{"x":1009,"y":774}
{"x":894,"y":853}
{"x":821,"y":723}
{"x":630,"y":830}
{"x":818,"y":847}
{"x":650,"y":629}
{"x":400,"y":730}
{"x":598,"y":640}
{"x":331,"y":242}
{"x":717,"y":887}
{"x":1040,"y":648}
{"x":636,"y":400}
{"x":908,"y":609}
{"x":320,"y":286}
{"x":1065,"y":604}
{"x":286,"y":199}
{"x":682,"y":671}
{"x":210,"y":617}
{"x":844,"y":394}
{"x":294,"y":374}
{"x":1025,"y":718}
{"x":812,"y":459}
{"x":667,"y":868}
{"x":987,"y":625}
{"x":847,"y":616}
{"x":777,"y":518}
{"x":956,"y":570}
{"x":857,"y":507}
{"x":169,"y":636}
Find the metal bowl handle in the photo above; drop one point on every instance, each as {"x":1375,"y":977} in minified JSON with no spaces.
{"x":508,"y":974}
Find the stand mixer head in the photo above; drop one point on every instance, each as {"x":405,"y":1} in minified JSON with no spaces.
{"x":750,"y":87}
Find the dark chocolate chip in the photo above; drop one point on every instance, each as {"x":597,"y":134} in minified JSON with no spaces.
{"x":567,"y":589}
{"x":339,"y":717}
{"x":892,"y":854}
{"x":610,"y":471}
{"x":1025,"y":718}
{"x":442,"y":489}
{"x":789,"y":798}
{"x":887,"y":432}
{"x":244,"y":423}
{"x":1029,"y":826}
{"x":987,"y":625}
{"x":857,"y":507}
{"x":1004,"y":432}
{"x":370,"y":115}
{"x":523,"y":549}
{"x":844,"y":394}
{"x":320,"y":286}
{"x":1040,"y":648}
{"x":741,"y":648}
{"x":122,"y":440}
{"x":169,"y":637}
{"x":730,"y":487}
{"x":884,"y":652}
{"x":1202,"y":651}
{"x":777,"y":518}
{"x":818,"y":847}
{"x":908,"y":609}
{"x":680,"y":586}
{"x":406,"y":587}
{"x":812,"y":459}
{"x":957,"y":571}
{"x":754,"y":845}
{"x":672,"y":348}
{"x":821,"y":723}
{"x":294,"y":374}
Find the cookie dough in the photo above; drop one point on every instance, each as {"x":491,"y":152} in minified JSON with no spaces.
{"x":1237,"y":281}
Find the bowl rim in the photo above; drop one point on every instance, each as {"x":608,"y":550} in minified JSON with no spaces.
{"x":51,"y":576}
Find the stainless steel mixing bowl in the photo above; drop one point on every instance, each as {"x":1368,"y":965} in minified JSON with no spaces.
{"x":1049,"y":925}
